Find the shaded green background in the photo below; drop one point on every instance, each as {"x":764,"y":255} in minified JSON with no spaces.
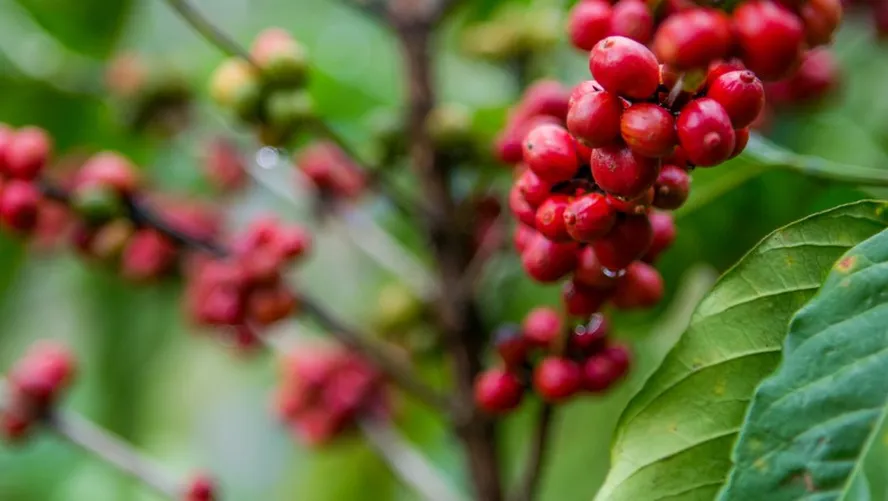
{"x":192,"y":404}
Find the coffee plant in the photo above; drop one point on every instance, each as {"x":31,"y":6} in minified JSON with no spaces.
{"x":527,"y":245}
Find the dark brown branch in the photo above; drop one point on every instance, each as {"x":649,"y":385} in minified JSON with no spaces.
{"x":527,"y":487}
{"x":208,"y":30}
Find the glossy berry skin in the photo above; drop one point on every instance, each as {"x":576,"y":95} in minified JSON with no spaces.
{"x":741,"y":141}
{"x":638,"y":205}
{"x":200,"y":488}
{"x":641,"y":287}
{"x":588,"y":23}
{"x":594,"y":119}
{"x":498,"y":391}
{"x":705,"y":132}
{"x":550,"y":153}
{"x":581,"y":89}
{"x":625,"y":67}
{"x":589,"y":271}
{"x":719,"y":68}
{"x":521,"y":209}
{"x":821,"y":19}
{"x":550,"y":220}
{"x":27,"y":153}
{"x":693,"y":38}
{"x":511,"y":345}
{"x":741,"y":94}
{"x":534,"y":189}
{"x":556,"y":379}
{"x":588,"y":217}
{"x":632,"y":19}
{"x":622,"y":173}
{"x":770,"y":38}
{"x":599,"y":373}
{"x":547,"y":261}
{"x":648,"y":130}
{"x":620,"y":356}
{"x":672,"y":188}
{"x":630,"y":239}
{"x":542,"y":327}
{"x":19,"y":205}
{"x":590,"y":338}
{"x":581,"y":300}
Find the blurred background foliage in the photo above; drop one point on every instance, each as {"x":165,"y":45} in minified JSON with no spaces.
{"x":189,"y":403}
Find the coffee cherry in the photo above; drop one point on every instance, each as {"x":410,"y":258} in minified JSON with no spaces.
{"x":594,"y":118}
{"x":148,"y":255}
{"x":769,"y":36}
{"x":542,"y":327}
{"x":672,"y":188}
{"x":641,"y":287}
{"x":550,"y":218}
{"x":693,"y":38}
{"x":235,"y":85}
{"x":590,"y":338}
{"x":557,"y":379}
{"x":588,"y":217}
{"x":639,"y":205}
{"x":648,"y":130}
{"x":543,"y":98}
{"x":547,"y":261}
{"x":223,"y":165}
{"x":283,"y":60}
{"x":741,"y":94}
{"x":581,"y":300}
{"x":620,"y":356}
{"x":817,"y":76}
{"x":599,"y":373}
{"x":625,"y":67}
{"x":632,"y":19}
{"x":19,"y":205}
{"x":520,"y":208}
{"x":719,"y":68}
{"x":821,"y":19}
{"x":26,"y":153}
{"x":629,"y":239}
{"x":589,"y":271}
{"x":512,"y":346}
{"x":200,"y":488}
{"x":705,"y":132}
{"x":549,"y":151}
{"x":14,"y":426}
{"x":111,"y":170}
{"x":498,"y":391}
{"x":588,"y":23}
{"x":288,"y":109}
{"x":741,"y":142}
{"x":39,"y":377}
{"x":522,"y":236}
{"x":583,"y":88}
{"x":678,"y":157}
{"x":618,"y":171}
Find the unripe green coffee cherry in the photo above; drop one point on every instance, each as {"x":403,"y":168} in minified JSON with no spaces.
{"x":97,"y":204}
{"x":236,"y":86}
{"x":283,"y":60}
{"x":398,"y":309}
{"x":110,"y":240}
{"x":289,"y":109}
{"x":450,"y":125}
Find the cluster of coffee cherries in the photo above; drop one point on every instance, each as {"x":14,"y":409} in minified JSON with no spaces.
{"x":768,"y":37}
{"x":333,"y":173}
{"x":246,"y":290}
{"x":325,"y":390}
{"x":24,"y":154}
{"x":558,"y":363}
{"x":268,"y":90}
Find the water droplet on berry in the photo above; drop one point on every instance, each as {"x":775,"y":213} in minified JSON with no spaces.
{"x":612,"y":273}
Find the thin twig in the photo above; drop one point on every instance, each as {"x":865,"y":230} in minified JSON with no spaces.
{"x":406,"y":462}
{"x":208,"y":30}
{"x":527,"y":487}
{"x":113,"y":451}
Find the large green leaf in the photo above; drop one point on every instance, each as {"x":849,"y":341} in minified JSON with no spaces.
{"x":675,"y":437}
{"x":812,"y":422}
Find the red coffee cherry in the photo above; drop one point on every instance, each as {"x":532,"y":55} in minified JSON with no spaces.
{"x":821,"y":19}
{"x":109,"y":169}
{"x":648,"y":130}
{"x":581,"y":89}
{"x":521,"y":209}
{"x":498,"y":391}
{"x":600,"y":373}
{"x":672,"y":188}
{"x":27,"y":153}
{"x":535,"y":190}
{"x":200,"y":488}
{"x":693,"y":38}
{"x":512,"y":346}
{"x":269,"y":304}
{"x":632,"y":19}
{"x":588,"y":23}
{"x":522,"y":236}
{"x":741,"y":142}
{"x":630,"y":238}
{"x":19,"y":205}
{"x":40,"y":376}
{"x":678,"y":157}
{"x":544,"y":97}
{"x":147,"y":255}
{"x":817,"y":76}
{"x":542,"y":327}
{"x":741,"y":94}
{"x":705,"y":132}
{"x":625,"y":67}
{"x":588,"y":217}
{"x":620,"y":356}
{"x":719,"y":68}
{"x":770,"y":38}
{"x":547,"y":261}
{"x":620,"y":172}
{"x":557,"y":379}
{"x":641,"y":287}
{"x":638,"y":205}
{"x":549,"y":151}
{"x":14,"y":426}
{"x":581,"y":300}
{"x":223,"y":165}
{"x":550,"y":220}
{"x":590,"y":338}
{"x":589,"y":271}
{"x":594,"y":118}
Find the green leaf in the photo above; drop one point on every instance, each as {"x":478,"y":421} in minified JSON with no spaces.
{"x":675,"y":437}
{"x":814,"y":420}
